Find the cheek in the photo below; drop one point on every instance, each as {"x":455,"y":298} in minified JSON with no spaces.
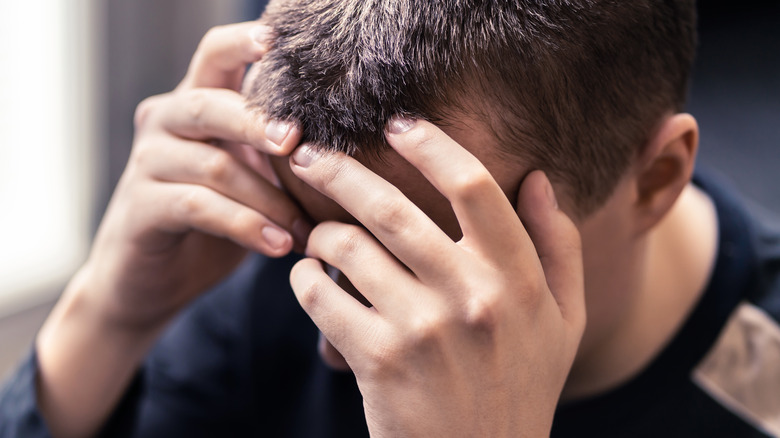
{"x":609,"y":255}
{"x":603,"y":242}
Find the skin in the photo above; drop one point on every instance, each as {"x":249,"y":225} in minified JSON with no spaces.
{"x":184,"y":215}
{"x":647,"y":252}
{"x":482,"y":331}
{"x":438,"y":353}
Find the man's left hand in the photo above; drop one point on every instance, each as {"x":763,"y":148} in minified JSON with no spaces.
{"x":467,"y":338}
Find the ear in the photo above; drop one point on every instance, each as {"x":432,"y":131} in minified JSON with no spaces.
{"x":664,"y":168}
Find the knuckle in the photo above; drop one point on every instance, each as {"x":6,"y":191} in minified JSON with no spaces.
{"x":143,"y":154}
{"x":190,"y":203}
{"x":390,"y":214}
{"x":310,"y":295}
{"x":210,"y":37}
{"x":383,"y":358}
{"x":425,"y":331}
{"x":196,"y":105}
{"x":422,"y":138}
{"x":527,"y":287}
{"x":472,"y":184}
{"x":348,"y":242}
{"x":143,"y":110}
{"x":218,"y":167}
{"x":482,"y":313}
{"x":245,"y":221}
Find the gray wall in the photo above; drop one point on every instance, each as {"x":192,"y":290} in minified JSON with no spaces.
{"x":148,"y":44}
{"x":736,"y":95}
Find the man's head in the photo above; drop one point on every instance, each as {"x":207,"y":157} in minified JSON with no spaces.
{"x":575,"y":88}
{"x":588,"y":91}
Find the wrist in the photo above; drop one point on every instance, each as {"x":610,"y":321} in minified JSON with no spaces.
{"x":82,"y":310}
{"x":110,"y":303}
{"x":86,"y":359}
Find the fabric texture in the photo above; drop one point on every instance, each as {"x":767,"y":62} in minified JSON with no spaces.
{"x":741,"y":371}
{"x":19,"y":416}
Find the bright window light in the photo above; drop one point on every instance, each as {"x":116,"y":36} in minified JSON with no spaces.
{"x":46,"y":153}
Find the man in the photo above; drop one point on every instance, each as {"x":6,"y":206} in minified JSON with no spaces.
{"x":463,"y":314}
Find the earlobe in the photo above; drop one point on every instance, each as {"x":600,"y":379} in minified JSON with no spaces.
{"x":664,"y":168}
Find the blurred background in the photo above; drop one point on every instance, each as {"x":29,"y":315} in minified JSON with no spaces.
{"x":71,"y":74}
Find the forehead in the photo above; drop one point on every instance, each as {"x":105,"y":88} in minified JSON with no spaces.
{"x":395,"y":170}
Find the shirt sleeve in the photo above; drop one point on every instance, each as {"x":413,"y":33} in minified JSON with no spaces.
{"x":19,"y":416}
{"x":197,"y":380}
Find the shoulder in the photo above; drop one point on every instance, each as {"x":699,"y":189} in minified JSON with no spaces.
{"x":740,"y":370}
{"x":765,"y":240}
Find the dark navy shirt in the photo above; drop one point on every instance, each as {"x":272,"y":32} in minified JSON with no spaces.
{"x":242,"y":361}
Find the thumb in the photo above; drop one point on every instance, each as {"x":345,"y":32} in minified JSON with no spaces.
{"x":557,"y":243}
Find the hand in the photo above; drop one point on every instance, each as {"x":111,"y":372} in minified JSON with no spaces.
{"x":186,"y":210}
{"x":467,"y":338}
{"x":195,"y":196}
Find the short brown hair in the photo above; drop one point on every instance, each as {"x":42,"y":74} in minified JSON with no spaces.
{"x":575,"y":87}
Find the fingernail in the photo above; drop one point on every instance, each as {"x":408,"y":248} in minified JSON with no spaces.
{"x":275,"y":238}
{"x":399,"y":125}
{"x":551,"y":194}
{"x":301,"y":230}
{"x":276,"y":131}
{"x":260,"y":34}
{"x":305,"y":155}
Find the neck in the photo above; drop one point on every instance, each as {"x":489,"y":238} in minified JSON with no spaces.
{"x":667,"y":277}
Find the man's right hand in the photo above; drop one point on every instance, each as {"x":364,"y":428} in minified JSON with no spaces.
{"x":196,"y":195}
{"x":185,"y":209}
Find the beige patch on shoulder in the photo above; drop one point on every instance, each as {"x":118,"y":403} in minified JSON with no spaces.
{"x":742,"y":370}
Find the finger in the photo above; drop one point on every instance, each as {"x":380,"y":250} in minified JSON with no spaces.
{"x":189,"y":162}
{"x":339,"y":316}
{"x":192,"y":207}
{"x":256,"y":160}
{"x":209,"y":113}
{"x":223,"y":54}
{"x":486,"y":217}
{"x":557,"y":243}
{"x":399,"y":224}
{"x":351,"y":249}
{"x":330,"y":355}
